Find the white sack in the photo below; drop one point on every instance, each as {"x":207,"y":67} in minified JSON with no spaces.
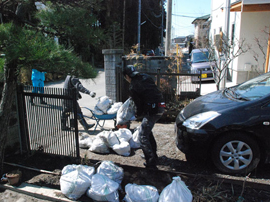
{"x":112,"y":140}
{"x":141,"y":193}
{"x":103,"y":189}
{"x":125,"y":112}
{"x":97,"y":111}
{"x":135,"y":140}
{"x":114,"y":108}
{"x":177,"y":191}
{"x":122,"y":149}
{"x":85,"y":141}
{"x":104,"y":103}
{"x":112,"y":171}
{"x":124,"y":134}
{"x":75,"y":180}
{"x":99,"y":146}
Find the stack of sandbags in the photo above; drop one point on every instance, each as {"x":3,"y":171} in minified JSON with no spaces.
{"x":77,"y":180}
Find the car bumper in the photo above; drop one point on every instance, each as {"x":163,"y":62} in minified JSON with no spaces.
{"x":195,"y":142}
{"x":206,"y":76}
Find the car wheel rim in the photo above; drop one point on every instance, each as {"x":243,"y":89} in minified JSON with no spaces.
{"x":236,"y":155}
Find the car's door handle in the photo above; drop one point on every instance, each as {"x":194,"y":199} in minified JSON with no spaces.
{"x":266,"y":123}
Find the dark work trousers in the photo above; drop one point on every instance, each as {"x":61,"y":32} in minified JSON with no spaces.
{"x":68,"y":109}
{"x":147,"y":140}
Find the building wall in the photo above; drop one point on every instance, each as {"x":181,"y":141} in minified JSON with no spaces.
{"x":248,"y":26}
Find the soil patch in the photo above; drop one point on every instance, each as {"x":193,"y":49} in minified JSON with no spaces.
{"x":205,"y":183}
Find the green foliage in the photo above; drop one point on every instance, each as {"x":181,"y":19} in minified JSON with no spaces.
{"x":31,"y":49}
{"x":75,"y":26}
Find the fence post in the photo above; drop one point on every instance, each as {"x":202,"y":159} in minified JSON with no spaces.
{"x":112,"y":58}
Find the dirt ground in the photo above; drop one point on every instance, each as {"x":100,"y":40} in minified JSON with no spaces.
{"x":202,"y":179}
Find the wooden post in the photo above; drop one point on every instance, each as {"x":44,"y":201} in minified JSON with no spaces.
{"x":267,"y":54}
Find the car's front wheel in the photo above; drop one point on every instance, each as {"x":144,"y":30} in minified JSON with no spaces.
{"x":236,"y":153}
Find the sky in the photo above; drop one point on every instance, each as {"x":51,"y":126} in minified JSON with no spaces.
{"x":183,"y":14}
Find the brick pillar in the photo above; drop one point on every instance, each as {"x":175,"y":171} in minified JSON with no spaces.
{"x":112,"y":59}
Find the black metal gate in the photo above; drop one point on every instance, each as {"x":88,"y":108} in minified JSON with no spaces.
{"x":40,"y":122}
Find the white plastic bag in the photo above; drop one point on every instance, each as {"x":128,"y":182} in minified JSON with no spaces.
{"x":125,"y":112}
{"x":135,"y":140}
{"x":124,"y":134}
{"x":114,"y":108}
{"x":104,"y":103}
{"x":103,"y":189}
{"x":122,"y":149}
{"x":75,"y":180}
{"x":177,"y":191}
{"x":99,"y":146}
{"x":85,"y":141}
{"x":141,"y":193}
{"x":112,"y":171}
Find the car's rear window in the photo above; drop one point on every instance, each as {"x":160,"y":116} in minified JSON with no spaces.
{"x":200,"y":57}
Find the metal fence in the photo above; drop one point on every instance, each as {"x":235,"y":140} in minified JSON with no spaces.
{"x":40,"y":121}
{"x":174,"y":86}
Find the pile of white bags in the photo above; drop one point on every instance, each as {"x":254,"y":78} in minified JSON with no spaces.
{"x":141,"y":193}
{"x":105,"y":105}
{"x":77,"y":180}
{"x":177,"y":191}
{"x":120,"y":141}
{"x":105,"y":183}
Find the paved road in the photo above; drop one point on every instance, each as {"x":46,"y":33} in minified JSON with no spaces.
{"x":97,"y":85}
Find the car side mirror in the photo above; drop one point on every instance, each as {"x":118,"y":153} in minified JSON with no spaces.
{"x":188,"y":61}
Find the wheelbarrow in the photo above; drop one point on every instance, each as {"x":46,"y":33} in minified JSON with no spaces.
{"x":99,"y":119}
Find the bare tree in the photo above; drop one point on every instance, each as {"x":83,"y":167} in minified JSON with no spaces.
{"x":222,"y":52}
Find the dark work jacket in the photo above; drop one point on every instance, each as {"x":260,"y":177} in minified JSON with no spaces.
{"x":73,"y":82}
{"x":144,"y":91}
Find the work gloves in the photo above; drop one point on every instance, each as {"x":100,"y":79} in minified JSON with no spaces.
{"x":92,"y":94}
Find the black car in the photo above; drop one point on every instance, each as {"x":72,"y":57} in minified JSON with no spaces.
{"x":231,"y":127}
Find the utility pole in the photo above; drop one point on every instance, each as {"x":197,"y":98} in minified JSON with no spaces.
{"x":168,"y":28}
{"x":139,"y":28}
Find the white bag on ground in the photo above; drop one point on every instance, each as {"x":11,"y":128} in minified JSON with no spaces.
{"x":141,"y":193}
{"x":75,"y":180}
{"x":122,"y":149}
{"x":85,"y":141}
{"x":114,"y":108}
{"x":112,"y":139}
{"x":124,"y":134}
{"x":135,"y":140}
{"x":125,"y":112}
{"x":177,"y":191}
{"x":103,"y":189}
{"x":112,"y":171}
{"x":99,"y":146}
{"x":104,"y":103}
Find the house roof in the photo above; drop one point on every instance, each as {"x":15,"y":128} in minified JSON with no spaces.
{"x":250,"y":6}
{"x":205,"y":17}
